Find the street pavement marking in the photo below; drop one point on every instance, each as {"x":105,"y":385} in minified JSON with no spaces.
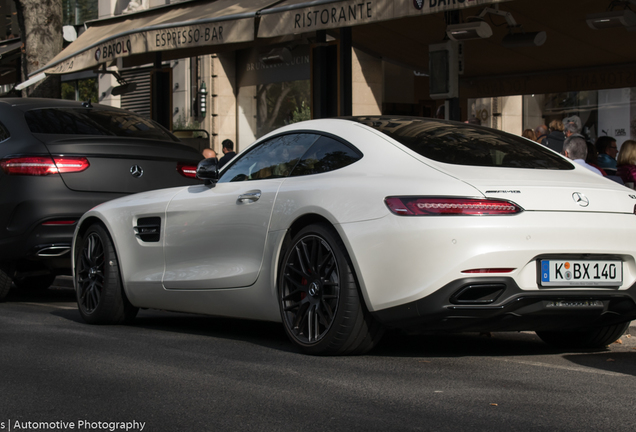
{"x":50,"y":305}
{"x":570,"y":368}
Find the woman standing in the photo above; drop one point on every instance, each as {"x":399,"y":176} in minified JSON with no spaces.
{"x":626,"y":162}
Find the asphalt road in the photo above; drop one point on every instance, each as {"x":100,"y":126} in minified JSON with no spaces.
{"x":178,"y":372}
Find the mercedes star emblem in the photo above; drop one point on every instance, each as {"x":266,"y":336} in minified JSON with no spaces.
{"x":580,"y":199}
{"x":136,"y":171}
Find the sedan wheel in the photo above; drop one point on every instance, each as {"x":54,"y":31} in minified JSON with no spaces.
{"x":100,"y":297}
{"x":319,"y":297}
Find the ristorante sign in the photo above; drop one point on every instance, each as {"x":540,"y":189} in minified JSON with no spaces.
{"x":283,"y":20}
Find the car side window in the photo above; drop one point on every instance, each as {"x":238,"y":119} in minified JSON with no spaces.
{"x":274,"y":158}
{"x":327,"y":154}
{"x":4,"y":133}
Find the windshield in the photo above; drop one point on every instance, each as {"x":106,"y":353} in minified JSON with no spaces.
{"x":87,"y":121}
{"x":463,"y":144}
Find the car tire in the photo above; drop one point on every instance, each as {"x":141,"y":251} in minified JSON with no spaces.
{"x":5,"y":284}
{"x":35,"y":283}
{"x":593,"y":338}
{"x":100,"y":295}
{"x":319,"y":297}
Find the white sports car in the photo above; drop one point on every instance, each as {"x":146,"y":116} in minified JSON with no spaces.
{"x":341,"y":228}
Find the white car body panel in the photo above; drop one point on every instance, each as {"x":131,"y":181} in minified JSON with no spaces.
{"x":415,"y":247}
{"x":220,"y":251}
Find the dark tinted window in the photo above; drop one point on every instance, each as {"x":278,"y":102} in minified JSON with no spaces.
{"x":460,"y":144}
{"x":4,"y":133}
{"x":274,"y":158}
{"x":86,"y":121}
{"x":327,"y":154}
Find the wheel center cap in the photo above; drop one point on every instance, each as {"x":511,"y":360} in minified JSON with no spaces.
{"x":92,"y":272}
{"x":314,"y":289}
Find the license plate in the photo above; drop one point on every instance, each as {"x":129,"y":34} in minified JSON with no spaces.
{"x":581,"y":273}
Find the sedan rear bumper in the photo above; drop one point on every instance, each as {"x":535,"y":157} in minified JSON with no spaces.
{"x":498,"y":304}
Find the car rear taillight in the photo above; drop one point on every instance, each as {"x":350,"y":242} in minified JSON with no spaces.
{"x":43,"y":165}
{"x":187,"y":170}
{"x":435,"y":206}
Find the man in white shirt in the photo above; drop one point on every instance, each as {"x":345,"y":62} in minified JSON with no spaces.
{"x":575,"y":148}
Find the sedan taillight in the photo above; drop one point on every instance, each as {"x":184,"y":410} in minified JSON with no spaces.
{"x":435,"y":206}
{"x":187,"y":170}
{"x":43,"y":165}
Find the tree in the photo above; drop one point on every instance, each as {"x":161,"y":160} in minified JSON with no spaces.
{"x":40,"y":24}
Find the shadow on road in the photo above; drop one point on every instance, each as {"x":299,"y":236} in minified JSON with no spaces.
{"x":393,"y":344}
{"x":50,"y":295}
{"x":398,"y":344}
{"x":619,"y":362}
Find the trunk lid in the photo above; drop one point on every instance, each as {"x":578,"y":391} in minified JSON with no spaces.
{"x":114,"y":160}
{"x":578,"y":190}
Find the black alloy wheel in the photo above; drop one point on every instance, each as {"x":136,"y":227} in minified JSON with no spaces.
{"x":319,"y":297}
{"x":100,"y":297}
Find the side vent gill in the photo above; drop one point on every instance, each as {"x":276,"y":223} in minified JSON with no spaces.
{"x":148,"y":229}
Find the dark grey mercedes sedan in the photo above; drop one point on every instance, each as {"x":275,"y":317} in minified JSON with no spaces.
{"x":61,"y":158}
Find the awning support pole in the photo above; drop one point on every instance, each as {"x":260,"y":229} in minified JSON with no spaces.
{"x":346,"y":92}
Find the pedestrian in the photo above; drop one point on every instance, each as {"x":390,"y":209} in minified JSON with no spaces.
{"x":575,"y":148}
{"x":555,"y":138}
{"x":541,"y":132}
{"x":626,"y":163}
{"x":607,"y":151}
{"x":529,"y":133}
{"x":228,"y":152}
{"x":209,"y":153}
{"x":572,"y":126}
{"x":592,"y":158}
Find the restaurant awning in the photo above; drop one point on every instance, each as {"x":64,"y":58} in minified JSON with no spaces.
{"x":205,"y":23}
{"x":177,"y":26}
{"x":300,"y":16}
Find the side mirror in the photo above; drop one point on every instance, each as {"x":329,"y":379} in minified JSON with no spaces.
{"x":208,"y":170}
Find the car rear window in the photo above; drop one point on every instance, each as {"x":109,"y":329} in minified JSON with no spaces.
{"x":87,"y":121}
{"x":463,"y":144}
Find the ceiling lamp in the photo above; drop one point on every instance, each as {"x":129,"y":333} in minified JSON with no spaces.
{"x":473,"y":30}
{"x":625,"y":18}
{"x":478,"y":29}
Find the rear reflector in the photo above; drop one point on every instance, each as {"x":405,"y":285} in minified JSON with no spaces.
{"x":43,"y":165}
{"x":434,"y":206}
{"x":489,"y":270}
{"x":187,"y":170}
{"x":59,"y":222}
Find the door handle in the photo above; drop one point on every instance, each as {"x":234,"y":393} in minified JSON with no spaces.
{"x":249,"y":197}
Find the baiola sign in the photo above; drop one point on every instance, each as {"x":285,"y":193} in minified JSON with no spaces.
{"x":285,"y":19}
{"x":171,"y":27}
{"x":157,"y":39}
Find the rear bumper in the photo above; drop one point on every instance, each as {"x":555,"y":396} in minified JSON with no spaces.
{"x":27,"y":244}
{"x":498,"y":304}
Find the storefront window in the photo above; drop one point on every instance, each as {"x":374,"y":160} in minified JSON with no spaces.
{"x":76,"y":12}
{"x":279,"y":104}
{"x":271,"y":95}
{"x":82,"y":90}
{"x":610,"y":112}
